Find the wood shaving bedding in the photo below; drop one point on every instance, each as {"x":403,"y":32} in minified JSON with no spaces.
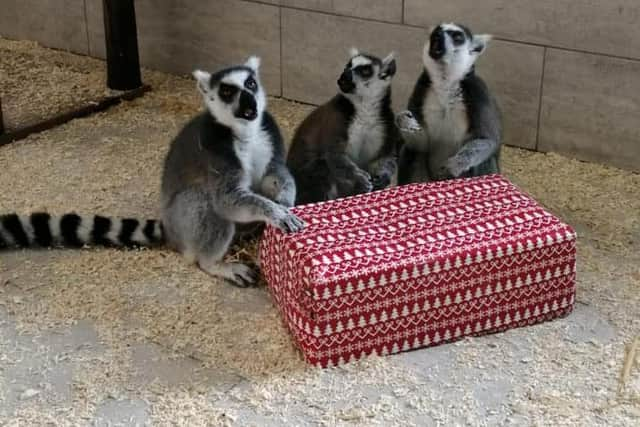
{"x":110,"y":163}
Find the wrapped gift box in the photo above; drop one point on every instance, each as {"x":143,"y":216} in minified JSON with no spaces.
{"x":416,"y":266}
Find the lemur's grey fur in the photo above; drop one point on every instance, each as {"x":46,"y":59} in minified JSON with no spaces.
{"x":453,"y":126}
{"x":226,"y":166}
{"x":349,"y":145}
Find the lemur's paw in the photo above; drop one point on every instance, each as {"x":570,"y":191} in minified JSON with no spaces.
{"x":406,"y":122}
{"x":380,"y":181}
{"x":287,"y":221}
{"x":363,"y":182}
{"x":456,"y":166}
{"x":242,"y":275}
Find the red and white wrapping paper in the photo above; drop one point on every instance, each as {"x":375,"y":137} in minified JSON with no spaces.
{"x":416,"y":266}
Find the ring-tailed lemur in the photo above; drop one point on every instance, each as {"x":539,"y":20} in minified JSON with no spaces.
{"x":226,"y":166}
{"x":349,"y":145}
{"x":453,"y":126}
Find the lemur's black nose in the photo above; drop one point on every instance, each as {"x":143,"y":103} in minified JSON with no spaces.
{"x":437,"y":46}
{"x":250,"y":114}
{"x":247,"y":108}
{"x":345,"y":82}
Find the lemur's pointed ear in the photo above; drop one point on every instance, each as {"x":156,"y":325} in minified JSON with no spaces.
{"x":354,"y":52}
{"x":388,"y":68}
{"x":479,"y":43}
{"x":253,"y":62}
{"x":203,"y":80}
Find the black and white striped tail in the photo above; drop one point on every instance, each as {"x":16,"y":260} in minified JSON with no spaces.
{"x":72,"y":230}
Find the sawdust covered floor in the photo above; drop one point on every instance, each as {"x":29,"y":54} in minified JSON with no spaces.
{"x":37,"y":84}
{"x":107,"y":336}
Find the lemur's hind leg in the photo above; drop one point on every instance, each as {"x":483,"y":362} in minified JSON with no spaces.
{"x":203,"y":237}
{"x":238,"y":274}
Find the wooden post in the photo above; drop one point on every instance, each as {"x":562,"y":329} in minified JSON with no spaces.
{"x":123,"y":64}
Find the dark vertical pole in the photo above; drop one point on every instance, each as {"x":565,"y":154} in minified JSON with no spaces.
{"x":123,"y":64}
{"x":1,"y":120}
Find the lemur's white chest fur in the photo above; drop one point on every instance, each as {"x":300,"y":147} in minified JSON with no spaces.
{"x":366,"y":135}
{"x":446,"y":122}
{"x":254,"y":149}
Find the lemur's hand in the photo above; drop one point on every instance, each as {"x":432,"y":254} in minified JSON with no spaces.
{"x":380,"y":181}
{"x":286,"y":221}
{"x":382,"y":172}
{"x":456,"y":166}
{"x":406,"y":122}
{"x":473,"y":153}
{"x":362,"y":181}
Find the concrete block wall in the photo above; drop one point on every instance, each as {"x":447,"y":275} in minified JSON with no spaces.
{"x":566,"y":72}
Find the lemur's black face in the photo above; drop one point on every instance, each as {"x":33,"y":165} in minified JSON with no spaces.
{"x":446,"y":38}
{"x":453,"y":50}
{"x":363,"y":72}
{"x":241,"y":98}
{"x":366,"y":75}
{"x":234,"y":94}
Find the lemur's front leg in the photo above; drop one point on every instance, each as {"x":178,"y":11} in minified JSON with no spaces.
{"x":241,"y":205}
{"x":472,"y":154}
{"x":413,"y":160}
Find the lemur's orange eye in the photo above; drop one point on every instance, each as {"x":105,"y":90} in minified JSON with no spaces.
{"x":251,"y":84}
{"x":364,"y":71}
{"x":227,"y":92}
{"x":457,"y":37}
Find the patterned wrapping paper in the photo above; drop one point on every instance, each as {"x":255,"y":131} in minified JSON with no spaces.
{"x":416,"y":266}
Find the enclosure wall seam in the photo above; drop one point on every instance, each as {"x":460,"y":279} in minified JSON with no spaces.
{"x":324,"y":12}
{"x":86,"y":27}
{"x":541,"y":90}
{"x":281,"y":57}
{"x":499,"y":38}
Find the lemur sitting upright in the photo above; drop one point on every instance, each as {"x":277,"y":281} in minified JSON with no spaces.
{"x":453,"y":126}
{"x":349,"y":145}
{"x":226,"y":166}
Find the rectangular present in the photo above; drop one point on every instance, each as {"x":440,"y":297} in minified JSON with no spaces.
{"x":418,"y":265}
